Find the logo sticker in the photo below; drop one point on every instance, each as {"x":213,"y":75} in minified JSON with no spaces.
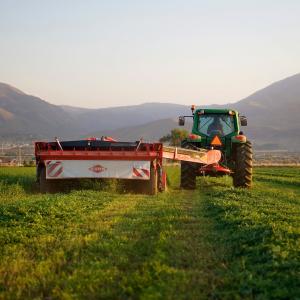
{"x":97,"y":169}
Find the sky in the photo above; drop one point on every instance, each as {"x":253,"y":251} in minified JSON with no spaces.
{"x":94,"y":53}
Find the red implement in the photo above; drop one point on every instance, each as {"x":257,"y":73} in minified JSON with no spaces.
{"x":214,"y":169}
{"x":93,"y":158}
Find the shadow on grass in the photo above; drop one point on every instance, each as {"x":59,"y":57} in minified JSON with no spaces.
{"x":27,"y":182}
{"x":129,"y":259}
{"x":254,"y":270}
{"x":117,"y":264}
{"x":117,"y":186}
{"x":207,"y":182}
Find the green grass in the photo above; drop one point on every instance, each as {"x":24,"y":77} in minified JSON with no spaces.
{"x":213,"y":243}
{"x":260,"y":231}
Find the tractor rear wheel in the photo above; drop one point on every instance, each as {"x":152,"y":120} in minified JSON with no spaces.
{"x":242,"y":176}
{"x":188,"y":171}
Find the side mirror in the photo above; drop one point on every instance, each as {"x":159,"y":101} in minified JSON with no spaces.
{"x":181,"y":121}
{"x":243,"y":120}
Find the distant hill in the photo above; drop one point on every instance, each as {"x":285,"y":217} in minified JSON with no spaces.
{"x":273,"y":117}
{"x":273,"y":114}
{"x":152,"y":131}
{"x":23,"y":116}
{"x":73,"y":110}
{"x":128,"y":116}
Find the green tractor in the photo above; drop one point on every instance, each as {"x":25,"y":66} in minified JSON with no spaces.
{"x":218,"y":129}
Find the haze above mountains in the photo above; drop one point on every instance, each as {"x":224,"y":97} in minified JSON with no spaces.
{"x":272,"y":112}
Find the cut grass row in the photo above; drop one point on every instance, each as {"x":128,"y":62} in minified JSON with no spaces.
{"x":214,"y":243}
{"x":93,"y":244}
{"x":260,"y":229}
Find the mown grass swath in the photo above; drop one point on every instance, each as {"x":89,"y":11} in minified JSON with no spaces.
{"x":260,"y":229}
{"x":216,"y":242}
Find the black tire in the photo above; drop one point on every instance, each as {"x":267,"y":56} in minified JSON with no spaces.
{"x":188,"y":173}
{"x":242,"y":176}
{"x":149,"y":187}
{"x":153,"y":182}
{"x":42,"y":180}
{"x":46,"y":186}
{"x":161,"y":179}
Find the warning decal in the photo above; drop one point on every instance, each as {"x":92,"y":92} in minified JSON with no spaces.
{"x":216,"y":141}
{"x":97,"y":169}
{"x":141,"y":173}
{"x":54,"y":168}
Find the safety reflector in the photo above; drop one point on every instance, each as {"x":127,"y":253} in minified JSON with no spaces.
{"x":216,"y":141}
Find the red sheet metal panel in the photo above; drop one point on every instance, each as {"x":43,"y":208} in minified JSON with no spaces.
{"x":98,"y":155}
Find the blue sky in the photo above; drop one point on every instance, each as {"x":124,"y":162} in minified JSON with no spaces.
{"x":106,"y":53}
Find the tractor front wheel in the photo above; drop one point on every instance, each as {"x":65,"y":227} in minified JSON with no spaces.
{"x":242,"y":176}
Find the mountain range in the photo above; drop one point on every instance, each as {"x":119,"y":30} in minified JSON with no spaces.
{"x":272,"y":112}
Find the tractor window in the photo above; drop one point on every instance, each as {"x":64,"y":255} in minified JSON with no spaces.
{"x":212,"y":124}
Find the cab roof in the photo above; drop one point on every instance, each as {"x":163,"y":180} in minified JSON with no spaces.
{"x":216,"y":110}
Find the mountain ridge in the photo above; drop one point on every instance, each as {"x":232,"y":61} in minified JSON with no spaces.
{"x":272,"y":113}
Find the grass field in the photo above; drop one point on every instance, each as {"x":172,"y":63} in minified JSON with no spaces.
{"x":213,"y":243}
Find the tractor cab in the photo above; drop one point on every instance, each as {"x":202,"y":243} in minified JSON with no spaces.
{"x":221,"y":129}
{"x":211,"y":124}
{"x":215,"y":127}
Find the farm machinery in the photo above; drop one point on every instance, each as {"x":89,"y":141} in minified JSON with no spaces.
{"x":215,"y":147}
{"x":139,"y":163}
{"x":218,"y":129}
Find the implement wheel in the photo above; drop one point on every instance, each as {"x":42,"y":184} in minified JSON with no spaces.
{"x":188,"y":171}
{"x":152,"y":184}
{"x":242,"y":176}
{"x":148,"y":187}
{"x":161,"y":179}
{"x":46,"y":186}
